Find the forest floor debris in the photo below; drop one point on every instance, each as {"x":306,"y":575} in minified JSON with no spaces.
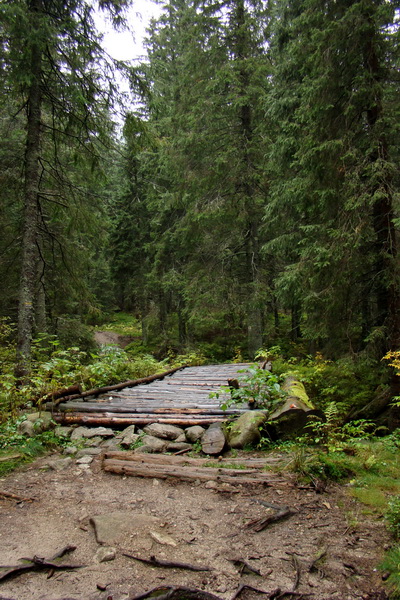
{"x":305,"y":556}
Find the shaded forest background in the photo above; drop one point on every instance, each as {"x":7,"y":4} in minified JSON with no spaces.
{"x":251,"y":199}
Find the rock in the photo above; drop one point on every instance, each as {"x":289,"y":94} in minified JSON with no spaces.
{"x":152,"y":444}
{"x":194,"y":433}
{"x":105,"y":554}
{"x":110,"y":444}
{"x":88,"y":452}
{"x":26,"y":428}
{"x":181,"y":438}
{"x":90,"y":432}
{"x":163,"y":538}
{"x":59,"y":464}
{"x":117,"y":525}
{"x":246,"y":429}
{"x":177,"y":446}
{"x":129,"y":440}
{"x":42,"y":421}
{"x":211,"y":485}
{"x":125,"y":432}
{"x":62,"y":431}
{"x":96,"y":441}
{"x":70,"y":450}
{"x":163,"y":431}
{"x":213,"y":440}
{"x":84,"y":460}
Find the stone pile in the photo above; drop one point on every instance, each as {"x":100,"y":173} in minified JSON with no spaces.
{"x":87,"y":442}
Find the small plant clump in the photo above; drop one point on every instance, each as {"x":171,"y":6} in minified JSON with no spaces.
{"x":257,"y":387}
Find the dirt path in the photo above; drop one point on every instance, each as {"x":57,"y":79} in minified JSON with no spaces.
{"x":198,"y":524}
{"x":107,"y":338}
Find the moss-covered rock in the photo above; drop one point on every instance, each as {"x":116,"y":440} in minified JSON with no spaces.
{"x":246,"y":430}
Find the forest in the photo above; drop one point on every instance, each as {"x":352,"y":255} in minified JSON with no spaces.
{"x":239,"y":204}
{"x":243,"y":200}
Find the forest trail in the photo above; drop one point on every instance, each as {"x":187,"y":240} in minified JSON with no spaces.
{"x":326,"y":549}
{"x":111,"y":338}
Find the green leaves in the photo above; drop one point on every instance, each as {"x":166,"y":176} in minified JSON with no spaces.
{"x":257,"y":387}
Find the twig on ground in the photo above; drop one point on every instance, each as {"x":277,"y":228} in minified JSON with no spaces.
{"x":245,"y":567}
{"x":4,"y":494}
{"x":281,"y":513}
{"x":37,"y":563}
{"x":155,"y":562}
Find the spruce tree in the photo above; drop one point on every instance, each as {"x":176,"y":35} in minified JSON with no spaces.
{"x":53,"y":68}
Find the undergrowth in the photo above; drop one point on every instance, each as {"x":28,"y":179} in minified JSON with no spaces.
{"x":54,"y":367}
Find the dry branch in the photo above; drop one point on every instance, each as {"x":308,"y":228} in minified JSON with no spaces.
{"x":37,"y":563}
{"x":176,"y":593}
{"x":281,"y":513}
{"x":15,"y":497}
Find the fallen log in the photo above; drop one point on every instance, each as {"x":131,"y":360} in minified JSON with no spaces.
{"x":95,"y":407}
{"x":294,"y":413}
{"x":150,"y":459}
{"x":245,"y":476}
{"x":116,"y":420}
{"x":68,"y":391}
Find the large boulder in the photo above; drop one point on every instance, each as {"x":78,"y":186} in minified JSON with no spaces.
{"x":246,"y":429}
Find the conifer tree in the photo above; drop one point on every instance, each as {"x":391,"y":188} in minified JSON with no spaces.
{"x":54,"y":71}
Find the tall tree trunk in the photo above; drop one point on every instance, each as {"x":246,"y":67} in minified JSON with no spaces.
{"x":246,"y":186}
{"x":31,"y":211}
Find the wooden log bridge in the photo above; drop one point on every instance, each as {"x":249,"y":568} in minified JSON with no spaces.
{"x":180,"y":398}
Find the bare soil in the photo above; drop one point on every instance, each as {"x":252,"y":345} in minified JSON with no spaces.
{"x":107,"y":338}
{"x":203,"y":525}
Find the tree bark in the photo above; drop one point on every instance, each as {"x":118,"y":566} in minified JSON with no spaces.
{"x":31,"y":213}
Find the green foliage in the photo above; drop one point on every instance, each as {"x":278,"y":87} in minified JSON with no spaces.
{"x":392,"y":517}
{"x":391,"y":564}
{"x":12,"y":442}
{"x":347,"y":382}
{"x":257,"y":387}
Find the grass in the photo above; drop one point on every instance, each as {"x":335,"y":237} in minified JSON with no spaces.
{"x":123,"y":324}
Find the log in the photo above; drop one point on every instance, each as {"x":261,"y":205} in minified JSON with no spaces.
{"x":186,"y":473}
{"x":72,"y":389}
{"x":213,"y":440}
{"x":294,"y":413}
{"x":150,"y":459}
{"x":132,"y":409}
{"x":116,"y":420}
